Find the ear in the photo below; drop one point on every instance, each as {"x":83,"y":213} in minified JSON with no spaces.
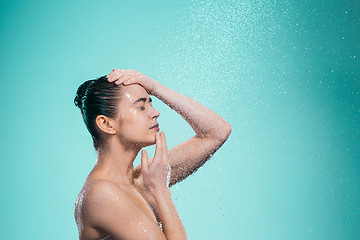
{"x":105,"y":124}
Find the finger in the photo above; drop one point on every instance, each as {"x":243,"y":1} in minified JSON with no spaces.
{"x":114,"y":75}
{"x":131,"y":80}
{"x":126,"y":80}
{"x":144,"y":161}
{"x":122,"y":78}
{"x":163,"y":142}
{"x":158,"y":152}
{"x":164,"y":146}
{"x":111,"y":74}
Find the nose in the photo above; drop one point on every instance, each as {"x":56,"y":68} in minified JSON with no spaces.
{"x":154,"y":113}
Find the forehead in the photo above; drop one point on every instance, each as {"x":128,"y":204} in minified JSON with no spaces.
{"x":133,"y":92}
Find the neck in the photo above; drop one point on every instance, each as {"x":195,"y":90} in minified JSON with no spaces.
{"x":116,"y":160}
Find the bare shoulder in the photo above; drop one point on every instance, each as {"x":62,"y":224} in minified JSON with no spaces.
{"x":97,"y":194}
{"x":102,"y":190}
{"x":108,"y":208}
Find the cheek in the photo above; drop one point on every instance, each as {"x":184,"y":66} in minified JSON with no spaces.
{"x":134,"y":117}
{"x":133,"y":121}
{"x":132,"y":112}
{"x":128,"y":115}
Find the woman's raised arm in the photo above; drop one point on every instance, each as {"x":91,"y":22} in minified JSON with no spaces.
{"x":211,"y":130}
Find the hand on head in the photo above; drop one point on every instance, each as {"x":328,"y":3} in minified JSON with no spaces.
{"x":128,"y":77}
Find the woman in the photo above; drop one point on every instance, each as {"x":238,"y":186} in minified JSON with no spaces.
{"x":119,"y":201}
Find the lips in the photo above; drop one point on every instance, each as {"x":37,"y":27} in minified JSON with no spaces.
{"x":155,"y":126}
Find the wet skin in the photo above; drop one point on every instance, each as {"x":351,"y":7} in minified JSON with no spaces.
{"x":115,"y":199}
{"x":136,"y":128}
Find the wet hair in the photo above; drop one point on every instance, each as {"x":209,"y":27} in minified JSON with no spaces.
{"x":97,"y":97}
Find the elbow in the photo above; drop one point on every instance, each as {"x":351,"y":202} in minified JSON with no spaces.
{"x":227,"y":130}
{"x":224,"y":134}
{"x":220,"y":134}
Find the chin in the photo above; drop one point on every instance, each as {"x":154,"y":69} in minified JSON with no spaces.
{"x":151,"y":141}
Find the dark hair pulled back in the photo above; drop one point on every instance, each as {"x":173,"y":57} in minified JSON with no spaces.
{"x":97,"y":97}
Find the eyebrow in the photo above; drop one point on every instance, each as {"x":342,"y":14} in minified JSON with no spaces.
{"x":142,"y":100}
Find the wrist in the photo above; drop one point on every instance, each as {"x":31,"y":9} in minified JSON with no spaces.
{"x":160,"y":190}
{"x":154,"y":86}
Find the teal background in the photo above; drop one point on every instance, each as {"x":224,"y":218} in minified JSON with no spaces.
{"x":285,"y":74}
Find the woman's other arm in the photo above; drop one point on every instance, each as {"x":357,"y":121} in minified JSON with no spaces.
{"x":211,"y":131}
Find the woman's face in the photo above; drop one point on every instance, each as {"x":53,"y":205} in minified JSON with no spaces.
{"x":137,"y":119}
